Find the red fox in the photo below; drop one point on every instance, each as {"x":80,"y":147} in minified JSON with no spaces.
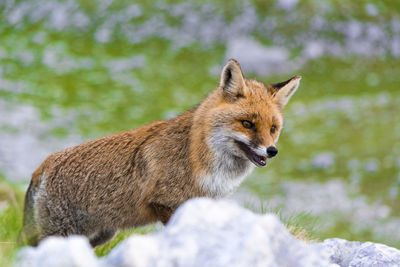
{"x":140,"y":176}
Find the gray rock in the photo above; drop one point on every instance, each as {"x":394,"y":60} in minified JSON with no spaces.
{"x":205,"y":232}
{"x":356,"y":254}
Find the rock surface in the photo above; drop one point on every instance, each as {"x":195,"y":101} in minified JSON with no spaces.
{"x":206,"y":232}
{"x":356,"y":254}
{"x":60,"y":252}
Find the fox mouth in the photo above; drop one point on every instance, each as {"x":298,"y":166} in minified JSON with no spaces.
{"x":259,"y":161}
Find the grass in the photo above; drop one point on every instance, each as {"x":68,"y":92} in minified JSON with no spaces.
{"x":11,"y":199}
{"x":122,"y":235}
{"x":302,"y":225}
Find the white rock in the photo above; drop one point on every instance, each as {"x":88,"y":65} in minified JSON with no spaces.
{"x":323,"y":160}
{"x":287,"y":4}
{"x":371,"y":10}
{"x":120,"y":65}
{"x":205,"y":232}
{"x":313,"y":49}
{"x":74,"y":251}
{"x":259,"y":59}
{"x":371,"y":166}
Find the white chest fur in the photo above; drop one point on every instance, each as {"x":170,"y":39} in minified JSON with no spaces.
{"x":228,"y":169}
{"x":225,"y":179}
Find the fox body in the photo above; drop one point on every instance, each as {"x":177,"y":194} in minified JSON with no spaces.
{"x":142,"y":175}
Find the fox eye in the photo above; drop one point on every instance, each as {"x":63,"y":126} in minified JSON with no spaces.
{"x":273,"y":129}
{"x":247,"y":124}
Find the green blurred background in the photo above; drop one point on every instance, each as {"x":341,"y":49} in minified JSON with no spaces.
{"x":77,"y":69}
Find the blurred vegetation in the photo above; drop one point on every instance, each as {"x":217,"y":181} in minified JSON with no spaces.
{"x":11,"y":210}
{"x":347,"y":105}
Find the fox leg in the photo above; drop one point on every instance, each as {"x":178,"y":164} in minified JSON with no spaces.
{"x":56,"y":218}
{"x":29,"y":232}
{"x":101,"y":237}
{"x":63,"y":220}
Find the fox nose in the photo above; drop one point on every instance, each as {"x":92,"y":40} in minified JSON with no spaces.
{"x":272,"y":151}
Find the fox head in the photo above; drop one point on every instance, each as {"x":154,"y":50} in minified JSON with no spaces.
{"x":246,"y":118}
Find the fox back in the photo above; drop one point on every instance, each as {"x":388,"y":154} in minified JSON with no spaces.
{"x":143,"y":175}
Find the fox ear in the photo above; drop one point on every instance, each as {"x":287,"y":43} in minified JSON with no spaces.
{"x":232,"y":80}
{"x":283,"y":91}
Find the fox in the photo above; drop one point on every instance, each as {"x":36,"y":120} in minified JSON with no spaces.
{"x":143,"y":175}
